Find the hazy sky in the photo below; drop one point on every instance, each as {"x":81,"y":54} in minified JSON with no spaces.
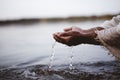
{"x":13,"y":9}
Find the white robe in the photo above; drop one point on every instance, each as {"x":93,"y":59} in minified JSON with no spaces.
{"x":110,"y":36}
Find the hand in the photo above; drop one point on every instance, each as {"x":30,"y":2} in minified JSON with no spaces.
{"x":74,"y":36}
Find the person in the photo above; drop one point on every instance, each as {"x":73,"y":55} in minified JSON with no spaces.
{"x":107,"y":35}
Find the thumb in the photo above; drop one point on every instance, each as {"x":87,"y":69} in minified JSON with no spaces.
{"x":69,"y":33}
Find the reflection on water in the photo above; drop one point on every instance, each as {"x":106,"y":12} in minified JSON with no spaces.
{"x":31,"y":46}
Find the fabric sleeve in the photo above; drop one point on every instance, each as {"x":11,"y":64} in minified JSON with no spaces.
{"x":110,"y":39}
{"x":111,"y":23}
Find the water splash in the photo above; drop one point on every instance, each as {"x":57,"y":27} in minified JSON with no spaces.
{"x":52,"y":56}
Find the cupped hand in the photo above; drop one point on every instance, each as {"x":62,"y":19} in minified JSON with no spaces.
{"x":71,"y":36}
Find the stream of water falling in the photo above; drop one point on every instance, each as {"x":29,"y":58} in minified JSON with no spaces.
{"x":52,"y":56}
{"x":71,"y":58}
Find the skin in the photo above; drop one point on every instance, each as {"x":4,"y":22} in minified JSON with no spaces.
{"x":74,"y":36}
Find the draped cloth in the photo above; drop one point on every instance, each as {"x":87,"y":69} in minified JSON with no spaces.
{"x":110,"y":36}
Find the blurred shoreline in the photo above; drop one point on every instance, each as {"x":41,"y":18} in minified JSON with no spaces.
{"x":45,"y":20}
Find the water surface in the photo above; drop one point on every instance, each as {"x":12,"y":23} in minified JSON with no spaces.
{"x":25,"y":51}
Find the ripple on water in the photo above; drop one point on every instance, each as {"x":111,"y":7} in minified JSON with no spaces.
{"x":82,"y":71}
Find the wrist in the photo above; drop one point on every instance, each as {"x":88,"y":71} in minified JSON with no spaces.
{"x":91,"y":36}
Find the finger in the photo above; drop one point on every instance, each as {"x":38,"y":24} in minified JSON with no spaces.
{"x":64,"y":34}
{"x":58,"y":39}
{"x":57,"y":33}
{"x":68,"y":29}
{"x":60,"y":34}
{"x":69,"y":33}
{"x":64,"y":40}
{"x":76,"y":29}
